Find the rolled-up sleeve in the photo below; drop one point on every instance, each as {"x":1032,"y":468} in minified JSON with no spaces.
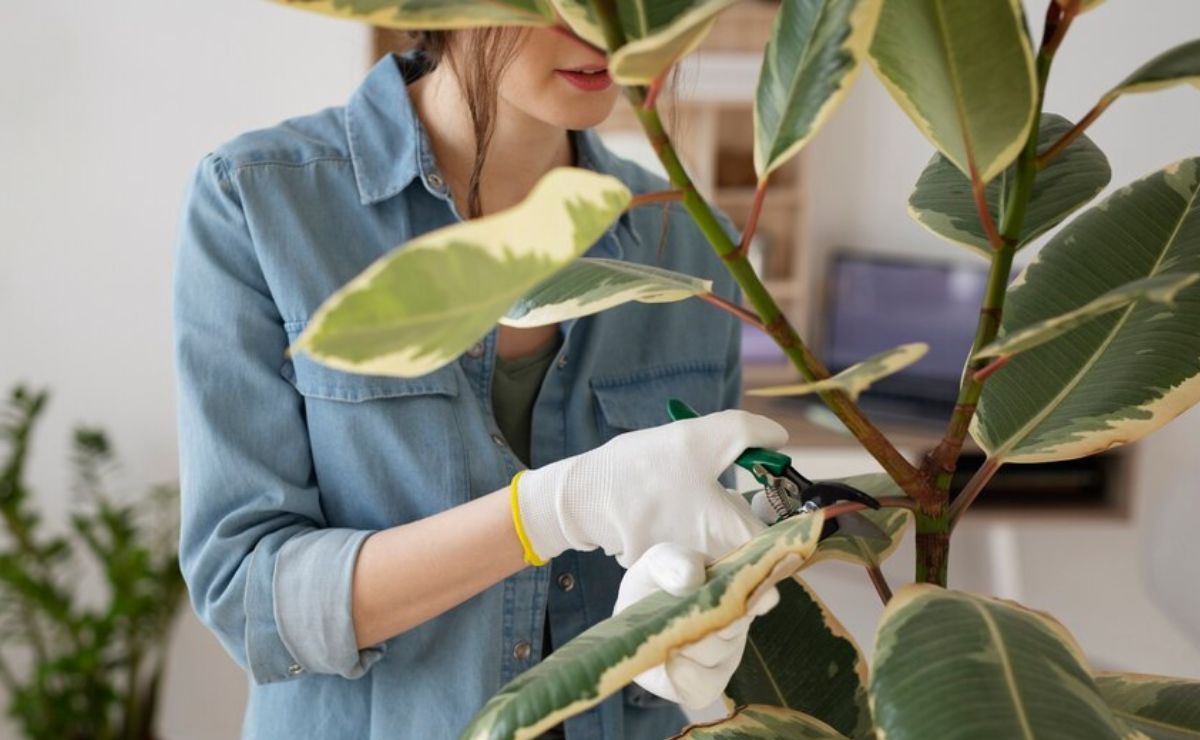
{"x":264,"y":571}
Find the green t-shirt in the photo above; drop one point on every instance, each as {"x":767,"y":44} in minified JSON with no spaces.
{"x":515,"y":386}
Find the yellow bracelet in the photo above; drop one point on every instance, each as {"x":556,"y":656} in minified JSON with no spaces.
{"x":531,"y":557}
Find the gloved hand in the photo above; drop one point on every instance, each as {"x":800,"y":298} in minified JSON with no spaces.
{"x":644,"y":487}
{"x":695,"y":674}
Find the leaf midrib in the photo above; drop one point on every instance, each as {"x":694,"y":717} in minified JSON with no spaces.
{"x":805,"y":58}
{"x":1011,"y":679}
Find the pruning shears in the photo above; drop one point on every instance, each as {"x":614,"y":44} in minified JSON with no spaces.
{"x":790,"y":493}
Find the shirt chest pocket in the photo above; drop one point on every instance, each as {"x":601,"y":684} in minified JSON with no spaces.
{"x":385,"y":450}
{"x":637,"y":399}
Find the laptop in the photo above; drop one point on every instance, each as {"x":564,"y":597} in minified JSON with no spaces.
{"x":872,"y":303}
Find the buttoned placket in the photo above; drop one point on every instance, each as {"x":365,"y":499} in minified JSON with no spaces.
{"x":548,"y":590}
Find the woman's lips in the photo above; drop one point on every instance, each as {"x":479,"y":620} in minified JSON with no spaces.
{"x":598,"y":80}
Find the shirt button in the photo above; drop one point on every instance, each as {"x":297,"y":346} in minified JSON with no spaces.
{"x":522,"y":650}
{"x":498,"y":440}
{"x":435,"y":179}
{"x":566,"y":581}
{"x":295,"y":669}
{"x":476,"y":350}
{"x":562,"y":362}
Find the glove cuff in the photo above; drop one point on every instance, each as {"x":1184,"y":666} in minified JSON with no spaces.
{"x":535,"y":514}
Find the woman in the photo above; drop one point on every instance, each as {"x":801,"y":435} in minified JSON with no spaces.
{"x":361,"y":544}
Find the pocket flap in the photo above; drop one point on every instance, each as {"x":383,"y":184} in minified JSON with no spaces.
{"x":314,"y":380}
{"x":638,"y":399}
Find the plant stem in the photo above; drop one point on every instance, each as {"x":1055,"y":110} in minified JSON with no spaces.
{"x":1076,"y":130}
{"x":733,"y":308}
{"x":760,"y":193}
{"x":974,"y":486}
{"x":774,"y":322}
{"x":880,"y":583}
{"x":933,"y":531}
{"x":659,"y":196}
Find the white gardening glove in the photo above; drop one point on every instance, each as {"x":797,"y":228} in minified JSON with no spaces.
{"x":694,"y":674}
{"x":645,"y":487}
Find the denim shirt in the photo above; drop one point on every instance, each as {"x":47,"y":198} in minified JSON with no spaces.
{"x":286,"y":465}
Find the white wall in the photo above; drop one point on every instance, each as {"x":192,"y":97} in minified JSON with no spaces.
{"x":105,"y":109}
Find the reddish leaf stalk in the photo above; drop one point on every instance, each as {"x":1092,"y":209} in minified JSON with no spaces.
{"x":742,"y":313}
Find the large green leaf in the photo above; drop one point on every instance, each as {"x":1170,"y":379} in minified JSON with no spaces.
{"x":579,"y":18}
{"x":609,"y":655}
{"x":1118,"y":377}
{"x":809,"y":64}
{"x":856,"y":378}
{"x":761,"y":722}
{"x":434,"y":13}
{"x":588,"y":286}
{"x":422,"y":304}
{"x":1157,"y":288}
{"x":954,"y":665}
{"x":866,"y":551}
{"x":1175,"y":66}
{"x":963,"y":72}
{"x":942,"y":200}
{"x":660,"y":33}
{"x":1163,"y":708}
{"x":799,"y":657}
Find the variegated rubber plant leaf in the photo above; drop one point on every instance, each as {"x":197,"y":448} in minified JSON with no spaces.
{"x":425,"y":302}
{"x":609,"y":655}
{"x":659,"y":33}
{"x":963,"y":72}
{"x":856,"y":378}
{"x":418,"y":14}
{"x":762,"y":722}
{"x":1179,"y":65}
{"x":800,"y":658}
{"x":590,"y":285}
{"x":1160,"y":289}
{"x":997,"y":670}
{"x":942,"y":200}
{"x":1160,"y":707}
{"x":810,"y":62}
{"x":866,"y":551}
{"x":1117,"y":377}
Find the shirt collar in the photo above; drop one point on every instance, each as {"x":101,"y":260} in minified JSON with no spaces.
{"x":389,"y":146}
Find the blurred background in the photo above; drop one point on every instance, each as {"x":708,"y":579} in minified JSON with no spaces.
{"x":105,"y":110}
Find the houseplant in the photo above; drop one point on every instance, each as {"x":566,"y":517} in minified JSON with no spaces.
{"x":74,"y":668}
{"x":1095,"y":344}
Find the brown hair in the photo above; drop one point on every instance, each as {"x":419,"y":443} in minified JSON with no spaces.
{"x":496,"y":47}
{"x":488,"y":52}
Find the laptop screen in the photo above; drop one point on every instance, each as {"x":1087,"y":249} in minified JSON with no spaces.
{"x":875,"y":303}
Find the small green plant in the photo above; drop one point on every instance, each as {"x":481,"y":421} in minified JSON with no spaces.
{"x":74,"y":670}
{"x":1095,"y":344}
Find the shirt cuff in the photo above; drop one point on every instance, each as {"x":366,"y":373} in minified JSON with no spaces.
{"x":313,"y":603}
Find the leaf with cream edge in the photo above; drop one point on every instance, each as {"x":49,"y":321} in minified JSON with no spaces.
{"x":1159,"y":289}
{"x":799,"y":657}
{"x":998,"y":670}
{"x":963,"y":72}
{"x":416,"y":14}
{"x":1175,"y":66}
{"x":856,"y":378}
{"x":590,"y":285}
{"x":658,"y":34}
{"x":578,"y":16}
{"x":765,"y":722}
{"x":943,"y":202}
{"x":608,"y":656}
{"x":1118,"y":377}
{"x":866,"y":551}
{"x":421,"y":305}
{"x":1161,"y":707}
{"x":809,"y":64}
